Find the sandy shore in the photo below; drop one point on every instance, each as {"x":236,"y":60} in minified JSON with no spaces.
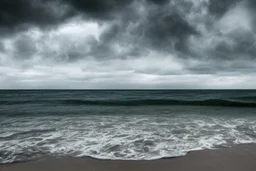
{"x":239,"y":158}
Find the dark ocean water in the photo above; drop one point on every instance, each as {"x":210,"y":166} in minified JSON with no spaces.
{"x":124,"y":125}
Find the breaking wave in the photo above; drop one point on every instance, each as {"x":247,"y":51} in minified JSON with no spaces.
{"x":241,"y":102}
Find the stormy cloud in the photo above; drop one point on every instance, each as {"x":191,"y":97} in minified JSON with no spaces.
{"x":127,"y":44}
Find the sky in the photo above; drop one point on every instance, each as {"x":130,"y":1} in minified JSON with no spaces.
{"x":127,"y":44}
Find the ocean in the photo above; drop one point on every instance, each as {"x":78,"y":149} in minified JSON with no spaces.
{"x":122,"y":124}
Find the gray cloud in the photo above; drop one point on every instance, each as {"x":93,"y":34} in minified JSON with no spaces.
{"x":99,"y":9}
{"x":24,"y":47}
{"x":220,"y":7}
{"x":2,"y":48}
{"x":168,"y":31}
{"x":130,"y":43}
{"x":16,"y":15}
{"x":243,"y":46}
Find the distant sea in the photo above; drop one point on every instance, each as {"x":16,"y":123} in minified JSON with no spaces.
{"x":119,"y":124}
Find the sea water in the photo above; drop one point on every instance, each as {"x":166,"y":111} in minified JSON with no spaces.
{"x":121,"y":124}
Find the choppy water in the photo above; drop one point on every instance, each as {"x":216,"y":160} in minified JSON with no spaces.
{"x":127,"y":125}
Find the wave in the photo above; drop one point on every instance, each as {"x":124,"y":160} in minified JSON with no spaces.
{"x":142,"y":102}
{"x":250,"y":98}
{"x":26,"y":133}
{"x":141,"y":137}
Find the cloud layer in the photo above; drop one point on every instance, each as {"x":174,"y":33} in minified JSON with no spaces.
{"x":127,"y":44}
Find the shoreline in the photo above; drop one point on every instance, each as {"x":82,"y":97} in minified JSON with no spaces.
{"x":237,"y":158}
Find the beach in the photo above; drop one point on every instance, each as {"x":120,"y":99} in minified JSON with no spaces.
{"x":237,"y":158}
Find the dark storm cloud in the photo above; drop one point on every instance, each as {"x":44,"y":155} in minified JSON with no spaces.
{"x":124,"y":43}
{"x":220,"y":7}
{"x":162,"y":28}
{"x":251,"y":3}
{"x":230,"y":38}
{"x":166,"y":28}
{"x":243,"y":47}
{"x":159,"y":2}
{"x":19,"y":13}
{"x":100,"y":9}
{"x":168,"y":31}
{"x":106,"y":9}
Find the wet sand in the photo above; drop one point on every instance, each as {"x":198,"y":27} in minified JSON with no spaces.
{"x":239,"y":158}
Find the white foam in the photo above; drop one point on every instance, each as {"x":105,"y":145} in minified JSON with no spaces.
{"x":122,"y":137}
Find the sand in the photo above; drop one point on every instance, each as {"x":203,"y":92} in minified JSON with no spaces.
{"x":238,"y":158}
